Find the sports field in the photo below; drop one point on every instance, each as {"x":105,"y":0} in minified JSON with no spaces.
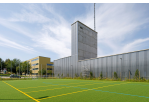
{"x":71,"y":90}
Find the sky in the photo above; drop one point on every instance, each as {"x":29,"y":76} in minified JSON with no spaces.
{"x":28,"y":30}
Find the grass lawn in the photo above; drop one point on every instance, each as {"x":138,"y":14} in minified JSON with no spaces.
{"x":72,"y":90}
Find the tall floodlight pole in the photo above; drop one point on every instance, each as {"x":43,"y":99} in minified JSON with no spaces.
{"x":11,"y":67}
{"x":72,"y":70}
{"x":27,"y":69}
{"x":41,"y":71}
{"x":52,"y":72}
{"x":46,"y":71}
{"x":34,"y":71}
{"x":121,"y":69}
{"x":94,"y":18}
{"x":19,"y":69}
{"x":15,"y":64}
{"x":1,"y":70}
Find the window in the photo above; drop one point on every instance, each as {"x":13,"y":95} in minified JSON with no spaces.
{"x":49,"y":64}
{"x":34,"y":64}
{"x":35,"y":69}
{"x":49,"y":69}
{"x":81,"y":27}
{"x":34,"y":60}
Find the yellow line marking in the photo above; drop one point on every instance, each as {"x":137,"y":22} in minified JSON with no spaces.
{"x":74,"y":83}
{"x":100,"y":87}
{"x":47,"y":89}
{"x":89,"y":84}
{"x":42,"y":86}
{"x":40,"y":90}
{"x":69,"y":93}
{"x":62,"y":94}
{"x":95,"y":88}
{"x":80,"y":91}
{"x":105,"y":86}
{"x":84,"y":90}
{"x":54,"y":96}
{"x":80,"y":85}
{"x":38,"y":86}
{"x":59,"y":95}
{"x":22,"y":92}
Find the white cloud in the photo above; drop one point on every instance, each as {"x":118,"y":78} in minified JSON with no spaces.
{"x":8,"y":43}
{"x":28,"y":17}
{"x":15,"y":27}
{"x":56,"y":35}
{"x":50,"y":43}
{"x":134,"y":44}
{"x":115,"y":23}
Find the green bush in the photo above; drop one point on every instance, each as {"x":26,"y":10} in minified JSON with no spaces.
{"x":81,"y":75}
{"x":115,"y":75}
{"x":91,"y":75}
{"x":62,"y":75}
{"x":137,"y":74}
{"x":101,"y":76}
{"x":76,"y":75}
{"x":142,"y":79}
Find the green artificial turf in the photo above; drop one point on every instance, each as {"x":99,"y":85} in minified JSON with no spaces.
{"x":69,"y":90}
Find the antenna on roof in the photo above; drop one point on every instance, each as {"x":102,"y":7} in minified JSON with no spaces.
{"x":94,"y":18}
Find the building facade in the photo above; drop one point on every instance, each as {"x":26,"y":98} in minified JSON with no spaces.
{"x":39,"y":63}
{"x":84,"y":60}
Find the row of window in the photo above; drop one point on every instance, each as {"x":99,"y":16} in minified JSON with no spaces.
{"x":35,"y":69}
{"x":49,"y":68}
{"x":49,"y":64}
{"x":34,"y":64}
{"x":34,"y":60}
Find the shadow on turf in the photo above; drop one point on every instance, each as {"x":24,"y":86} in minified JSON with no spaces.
{"x":43,"y":97}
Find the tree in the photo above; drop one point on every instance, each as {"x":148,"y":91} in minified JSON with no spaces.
{"x":115,"y":75}
{"x":15,"y":63}
{"x":49,"y":72}
{"x":7,"y":64}
{"x":3,"y":63}
{"x":19,"y":68}
{"x":62,"y":75}
{"x":81,"y":75}
{"x":30,"y":72}
{"x":101,"y":75}
{"x":91,"y":74}
{"x":12,"y":64}
{"x":137,"y":74}
{"x":76,"y":75}
{"x":43,"y":72}
{"x":24,"y":66}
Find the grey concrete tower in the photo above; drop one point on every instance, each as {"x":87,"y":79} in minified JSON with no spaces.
{"x":83,"y":41}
